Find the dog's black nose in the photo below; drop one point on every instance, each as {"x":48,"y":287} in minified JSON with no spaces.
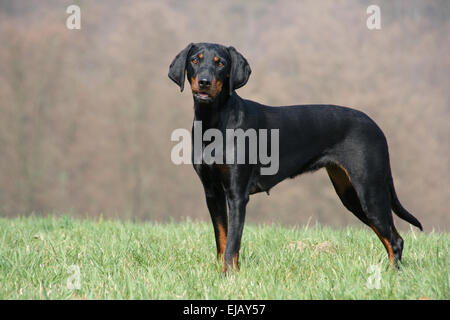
{"x":204,"y":83}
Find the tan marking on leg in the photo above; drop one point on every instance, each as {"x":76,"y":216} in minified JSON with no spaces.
{"x":234,"y":265}
{"x":236,"y":261}
{"x":340,"y":178}
{"x":387,"y":245}
{"x":222,"y":241}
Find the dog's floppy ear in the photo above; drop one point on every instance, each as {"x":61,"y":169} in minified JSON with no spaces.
{"x":177,"y":68}
{"x":239,"y":71}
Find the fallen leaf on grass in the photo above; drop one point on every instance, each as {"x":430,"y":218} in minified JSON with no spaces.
{"x":299,"y":245}
{"x":38,"y":236}
{"x":326,"y":247}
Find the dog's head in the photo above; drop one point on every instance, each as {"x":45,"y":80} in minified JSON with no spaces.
{"x":212,"y":69}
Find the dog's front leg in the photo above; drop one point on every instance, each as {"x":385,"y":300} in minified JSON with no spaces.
{"x":217,"y":206}
{"x":236,"y":204}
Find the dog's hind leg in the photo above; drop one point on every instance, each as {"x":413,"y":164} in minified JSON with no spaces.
{"x":375,"y":203}
{"x":346,"y":192}
{"x":371,"y":205}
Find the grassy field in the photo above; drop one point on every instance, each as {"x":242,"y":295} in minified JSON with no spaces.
{"x":65,"y":258}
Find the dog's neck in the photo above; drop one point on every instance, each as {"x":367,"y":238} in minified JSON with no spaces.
{"x":210,"y":113}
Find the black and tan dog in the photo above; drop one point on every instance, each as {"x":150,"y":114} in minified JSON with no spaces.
{"x":351,"y":147}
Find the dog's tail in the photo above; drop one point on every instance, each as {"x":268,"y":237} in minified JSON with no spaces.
{"x":398,"y":208}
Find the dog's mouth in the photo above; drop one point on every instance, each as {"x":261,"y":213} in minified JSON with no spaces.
{"x":203,"y":96}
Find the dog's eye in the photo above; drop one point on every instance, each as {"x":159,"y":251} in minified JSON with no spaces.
{"x":218,"y":63}
{"x":195,"y":61}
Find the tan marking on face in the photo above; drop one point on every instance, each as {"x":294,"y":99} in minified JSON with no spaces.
{"x":216,"y":59}
{"x":200,"y":55}
{"x":216,"y":87}
{"x":194,"y":84}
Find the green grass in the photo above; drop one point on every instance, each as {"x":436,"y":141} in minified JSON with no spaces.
{"x":125,"y":260}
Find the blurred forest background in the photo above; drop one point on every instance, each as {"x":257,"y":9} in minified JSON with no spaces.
{"x":86,"y":115}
